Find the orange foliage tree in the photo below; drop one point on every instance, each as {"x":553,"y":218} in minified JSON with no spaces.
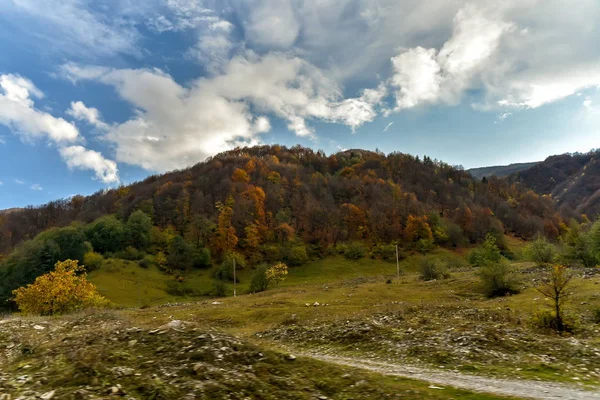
{"x":225,"y":238}
{"x":416,"y":229}
{"x":63,"y":290}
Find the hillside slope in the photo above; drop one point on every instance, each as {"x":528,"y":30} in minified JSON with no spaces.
{"x":573,"y":181}
{"x":352,"y":195}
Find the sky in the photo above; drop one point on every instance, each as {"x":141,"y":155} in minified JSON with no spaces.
{"x":95,"y":94}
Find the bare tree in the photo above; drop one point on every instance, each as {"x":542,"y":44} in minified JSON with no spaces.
{"x":556,"y":289}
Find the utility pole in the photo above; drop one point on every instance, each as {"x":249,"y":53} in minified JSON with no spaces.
{"x":397,"y":264}
{"x":234,"y":282}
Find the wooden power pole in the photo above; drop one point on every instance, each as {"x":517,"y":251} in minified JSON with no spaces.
{"x":234,"y":280}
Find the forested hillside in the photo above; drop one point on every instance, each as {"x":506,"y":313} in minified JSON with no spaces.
{"x":573,"y":181}
{"x":271,"y":203}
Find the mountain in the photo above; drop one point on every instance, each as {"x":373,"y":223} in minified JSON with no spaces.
{"x":500,"y":170}
{"x":572,"y":180}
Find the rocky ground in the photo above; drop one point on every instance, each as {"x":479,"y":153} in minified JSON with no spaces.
{"x":106,"y":356}
{"x":451,"y":338}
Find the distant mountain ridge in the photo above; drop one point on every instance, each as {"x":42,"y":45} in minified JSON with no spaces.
{"x":500,"y":171}
{"x":572,"y":180}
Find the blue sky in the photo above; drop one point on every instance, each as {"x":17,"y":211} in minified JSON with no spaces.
{"x":94,"y":94}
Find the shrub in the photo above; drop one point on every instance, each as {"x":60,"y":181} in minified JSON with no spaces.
{"x":146,"y":262}
{"x":92,"y":260}
{"x":354,"y":251}
{"x":60,"y":291}
{"x":296,"y":255}
{"x":387,"y":252}
{"x":541,"y":252}
{"x":218,"y":288}
{"x":487,"y":253}
{"x":498,"y":279}
{"x":259,"y":282}
{"x":546,"y":320}
{"x":224,"y":273}
{"x":433,"y":268}
{"x":130,"y":253}
{"x":424,"y":246}
{"x":176,"y":288}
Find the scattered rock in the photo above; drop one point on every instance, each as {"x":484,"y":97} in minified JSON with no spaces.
{"x":290,"y":357}
{"x":48,"y":395}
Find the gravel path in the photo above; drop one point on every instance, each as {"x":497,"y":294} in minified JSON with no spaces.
{"x":505,"y":387}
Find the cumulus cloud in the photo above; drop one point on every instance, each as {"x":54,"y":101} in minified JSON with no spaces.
{"x":78,"y":157}
{"x":429,"y":76}
{"x":91,"y":115}
{"x":177,"y":126}
{"x":18,"y":112}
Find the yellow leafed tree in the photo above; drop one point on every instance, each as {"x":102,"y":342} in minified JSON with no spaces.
{"x":63,"y":290}
{"x":277,"y":273}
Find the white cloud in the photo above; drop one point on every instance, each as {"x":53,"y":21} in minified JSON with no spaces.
{"x":501,"y":117}
{"x":587,"y":104}
{"x":73,"y":27}
{"x":18,"y":112}
{"x":428,"y":76}
{"x":78,"y":157}
{"x":1,"y":183}
{"x":2,"y":140}
{"x":19,"y":182}
{"x":387,"y":127}
{"x":177,"y":126}
{"x":91,"y":115}
{"x":36,"y":187}
{"x":271,"y":23}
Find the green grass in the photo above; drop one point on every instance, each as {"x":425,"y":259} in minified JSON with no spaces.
{"x":359,"y":291}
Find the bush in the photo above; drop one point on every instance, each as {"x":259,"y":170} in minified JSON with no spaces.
{"x":175,"y":288}
{"x":295,"y":255}
{"x":541,"y":252}
{"x":354,"y":251}
{"x":387,"y":252}
{"x":259,"y":282}
{"x":63,"y":290}
{"x":433,"y":268}
{"x":498,"y":279}
{"x":424,"y":246}
{"x":92,"y":260}
{"x":487,"y":253}
{"x":146,"y":262}
{"x":218,"y":288}
{"x":130,"y":253}
{"x":224,"y":273}
{"x":546,"y":320}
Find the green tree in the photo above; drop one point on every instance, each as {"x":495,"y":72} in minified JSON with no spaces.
{"x":107,"y":235}
{"x":139,"y":230}
{"x":259,"y":282}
